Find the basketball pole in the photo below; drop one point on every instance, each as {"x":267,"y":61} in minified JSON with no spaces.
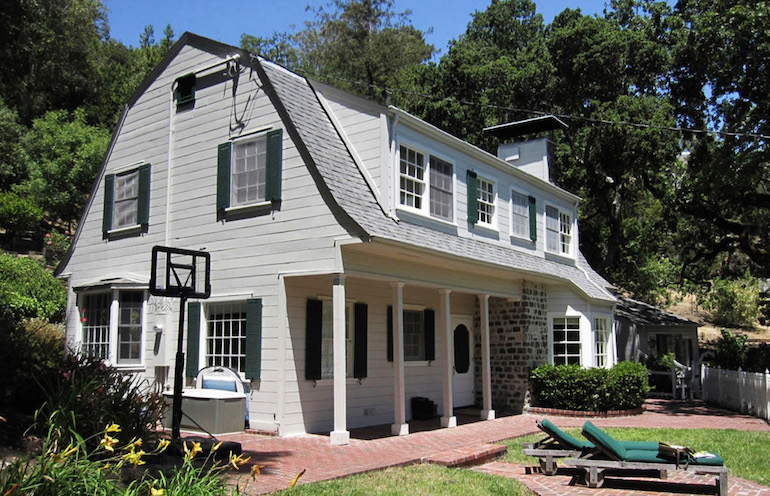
{"x":176,"y":411}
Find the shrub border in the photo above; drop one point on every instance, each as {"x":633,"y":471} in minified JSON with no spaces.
{"x":578,"y":413}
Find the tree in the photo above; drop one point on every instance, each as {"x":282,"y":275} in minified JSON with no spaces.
{"x":64,"y":156}
{"x":359,"y":45}
{"x":11,"y":164}
{"x":45,"y":53}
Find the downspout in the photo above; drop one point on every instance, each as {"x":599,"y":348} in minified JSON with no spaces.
{"x":169,"y":159}
{"x":393,"y":168}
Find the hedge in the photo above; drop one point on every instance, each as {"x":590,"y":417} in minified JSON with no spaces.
{"x":572,"y":387}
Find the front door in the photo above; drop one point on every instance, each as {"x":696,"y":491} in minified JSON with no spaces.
{"x":462,"y":383}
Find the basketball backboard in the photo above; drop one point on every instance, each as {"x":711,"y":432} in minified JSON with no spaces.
{"x":180,"y":273}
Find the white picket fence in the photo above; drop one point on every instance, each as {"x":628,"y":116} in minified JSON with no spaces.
{"x":745,"y":392}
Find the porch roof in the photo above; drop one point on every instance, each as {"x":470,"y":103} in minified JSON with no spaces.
{"x":645,"y":314}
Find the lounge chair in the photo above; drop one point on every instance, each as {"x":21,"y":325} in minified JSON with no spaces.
{"x":612,"y":455}
{"x":559,"y":444}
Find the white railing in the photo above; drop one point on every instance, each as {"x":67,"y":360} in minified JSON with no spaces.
{"x":745,"y":392}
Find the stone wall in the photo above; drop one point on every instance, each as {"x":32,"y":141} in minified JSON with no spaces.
{"x":518,"y":342}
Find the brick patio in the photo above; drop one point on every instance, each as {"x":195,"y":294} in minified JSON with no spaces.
{"x":470,"y":443}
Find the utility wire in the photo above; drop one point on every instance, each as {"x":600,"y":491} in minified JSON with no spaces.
{"x":637,"y":125}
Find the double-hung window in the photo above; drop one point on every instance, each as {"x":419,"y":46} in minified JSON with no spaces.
{"x":319,"y":339}
{"x":226,"y":336}
{"x":327,"y":340}
{"x":523,"y":216}
{"x":112,"y":325}
{"x":485,"y":201}
{"x":426,"y":185}
{"x":419,"y":340}
{"x":126,"y":200}
{"x":249,"y":171}
{"x":565,"y":333}
{"x":601,"y":341}
{"x":558,"y":225}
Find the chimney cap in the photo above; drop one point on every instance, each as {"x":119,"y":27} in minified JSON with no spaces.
{"x":527,"y":126}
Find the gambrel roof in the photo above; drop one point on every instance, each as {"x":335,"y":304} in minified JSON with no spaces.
{"x":346,"y":190}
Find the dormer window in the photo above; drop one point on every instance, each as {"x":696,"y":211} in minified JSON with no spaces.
{"x":558,"y":228}
{"x":426,"y":187}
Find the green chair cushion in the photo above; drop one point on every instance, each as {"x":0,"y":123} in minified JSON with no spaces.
{"x":564,"y":439}
{"x":604,"y":440}
{"x":646,"y":456}
{"x":715,"y":460}
{"x":640,"y":445}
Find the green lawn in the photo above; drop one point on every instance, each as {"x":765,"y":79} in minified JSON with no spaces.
{"x":415,"y":480}
{"x":746,"y":454}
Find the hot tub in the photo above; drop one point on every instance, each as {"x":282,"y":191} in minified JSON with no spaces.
{"x":217,"y":411}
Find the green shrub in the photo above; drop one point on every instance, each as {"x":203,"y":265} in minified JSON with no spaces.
{"x":733,"y":303}
{"x":571,"y":387}
{"x":731,"y":350}
{"x":28,"y":291}
{"x":33,"y":351}
{"x":88,"y":394}
{"x":19,"y":214}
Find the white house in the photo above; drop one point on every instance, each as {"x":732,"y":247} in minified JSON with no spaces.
{"x":360,"y":256}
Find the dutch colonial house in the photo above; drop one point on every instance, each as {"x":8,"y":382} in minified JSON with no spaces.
{"x":359,"y":255}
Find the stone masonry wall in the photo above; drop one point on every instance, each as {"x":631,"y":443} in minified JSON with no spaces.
{"x":518,"y":342}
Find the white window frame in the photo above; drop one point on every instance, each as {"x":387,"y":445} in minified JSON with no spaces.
{"x":566,"y":342}
{"x":259,"y":141}
{"x":110,"y":349}
{"x":564,"y":233}
{"x":419,"y":356}
{"x":126,"y":196}
{"x":480,"y":202}
{"x":514,"y":215}
{"x":425,"y":183}
{"x":602,"y":341}
{"x":221,"y":358}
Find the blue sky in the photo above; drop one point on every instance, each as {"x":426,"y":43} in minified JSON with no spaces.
{"x":226,"y":20}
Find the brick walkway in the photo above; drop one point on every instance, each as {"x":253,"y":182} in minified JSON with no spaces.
{"x":283,"y":458}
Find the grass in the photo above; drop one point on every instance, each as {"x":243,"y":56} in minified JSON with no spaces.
{"x":746,"y":454}
{"x":415,"y":480}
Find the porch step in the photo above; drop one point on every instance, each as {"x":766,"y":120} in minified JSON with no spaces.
{"x":467,"y":455}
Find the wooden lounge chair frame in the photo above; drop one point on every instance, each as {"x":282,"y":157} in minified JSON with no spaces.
{"x":547,"y":450}
{"x":595,"y":468}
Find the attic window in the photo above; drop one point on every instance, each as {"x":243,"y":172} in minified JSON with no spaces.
{"x":185,"y":90}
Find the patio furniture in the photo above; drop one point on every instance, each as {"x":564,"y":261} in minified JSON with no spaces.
{"x":559,"y":444}
{"x":612,"y":455}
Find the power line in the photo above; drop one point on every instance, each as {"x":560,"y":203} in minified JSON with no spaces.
{"x":637,"y":125}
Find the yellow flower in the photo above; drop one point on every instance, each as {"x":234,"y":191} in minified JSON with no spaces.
{"x":296,"y":478}
{"x":162,"y":445}
{"x":112,"y":428}
{"x":157,"y":492}
{"x":134,"y":457}
{"x":105,"y":466}
{"x":70,"y":449}
{"x":138,"y":442}
{"x":190,"y":453}
{"x":216,"y":446}
{"x":237,"y":461}
{"x":255,"y":471}
{"x":108,"y":442}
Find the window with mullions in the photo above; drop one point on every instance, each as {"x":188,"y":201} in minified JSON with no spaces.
{"x":566,"y":340}
{"x":130,"y":327}
{"x":485,"y":198}
{"x":441,"y":189}
{"x":327,"y":340}
{"x":95,"y":321}
{"x":226,"y":336}
{"x":601,"y":341}
{"x":249,"y":173}
{"x":414,"y":331}
{"x":520,"y":215}
{"x":558,"y":226}
{"x":412,"y":184}
{"x":126,"y":200}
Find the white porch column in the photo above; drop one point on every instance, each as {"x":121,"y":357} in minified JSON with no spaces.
{"x":486,"y":370}
{"x":399,"y":427}
{"x":448,"y":419}
{"x":340,"y":435}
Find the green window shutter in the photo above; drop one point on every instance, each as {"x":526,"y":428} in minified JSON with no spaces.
{"x":143,"y":208}
{"x":532,"y":218}
{"x":223,"y":175}
{"x":390,"y":333}
{"x":429,"y":320}
{"x":273,"y":162}
{"x":109,"y":196}
{"x":361,"y":322}
{"x":473,"y":207}
{"x":193,"y":337}
{"x":253,"y":339}
{"x":313,"y":339}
